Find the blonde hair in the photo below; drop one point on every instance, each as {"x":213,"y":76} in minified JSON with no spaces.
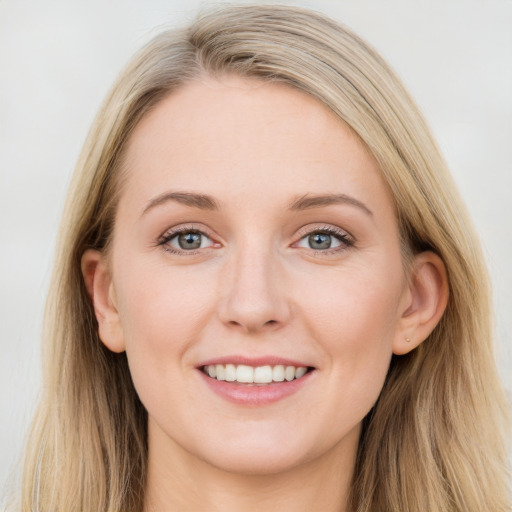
{"x":435,"y":440}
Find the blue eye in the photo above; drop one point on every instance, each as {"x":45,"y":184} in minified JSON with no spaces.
{"x":320,"y":241}
{"x":323,"y":240}
{"x":189,"y":240}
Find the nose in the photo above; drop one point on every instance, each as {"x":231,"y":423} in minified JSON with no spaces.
{"x":254,"y":295}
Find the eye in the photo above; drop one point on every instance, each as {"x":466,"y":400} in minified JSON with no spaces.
{"x":325,"y":239}
{"x":187,"y":240}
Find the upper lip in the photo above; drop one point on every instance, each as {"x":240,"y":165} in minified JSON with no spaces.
{"x":254,"y":361}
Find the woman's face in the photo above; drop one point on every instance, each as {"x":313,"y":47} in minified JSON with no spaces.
{"x":254,"y":237}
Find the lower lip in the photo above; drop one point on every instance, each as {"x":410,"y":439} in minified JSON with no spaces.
{"x":255,"y":395}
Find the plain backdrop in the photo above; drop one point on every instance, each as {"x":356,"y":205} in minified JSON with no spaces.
{"x":58,"y":58}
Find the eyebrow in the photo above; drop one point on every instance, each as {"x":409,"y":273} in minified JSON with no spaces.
{"x":309,"y":201}
{"x":206,"y":202}
{"x":202,"y":201}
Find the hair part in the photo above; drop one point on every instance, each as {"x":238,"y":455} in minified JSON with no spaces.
{"x":435,"y":438}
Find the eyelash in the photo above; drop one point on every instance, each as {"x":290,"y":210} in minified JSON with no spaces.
{"x":169,"y":235}
{"x":346,"y":240}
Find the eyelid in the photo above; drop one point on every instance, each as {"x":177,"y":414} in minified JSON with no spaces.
{"x":346,"y":238}
{"x":327,"y":228}
{"x":170,"y":233}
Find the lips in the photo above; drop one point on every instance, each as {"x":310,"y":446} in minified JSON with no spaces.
{"x":255,"y":382}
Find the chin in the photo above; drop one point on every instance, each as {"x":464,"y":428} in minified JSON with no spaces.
{"x":267,"y":453}
{"x":255,"y":462}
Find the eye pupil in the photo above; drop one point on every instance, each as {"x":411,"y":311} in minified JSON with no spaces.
{"x":320,"y":241}
{"x":189,"y":240}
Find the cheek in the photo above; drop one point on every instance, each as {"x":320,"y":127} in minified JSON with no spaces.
{"x":355,"y":306}
{"x":355,"y":320}
{"x":162,"y":314}
{"x":158,"y":303}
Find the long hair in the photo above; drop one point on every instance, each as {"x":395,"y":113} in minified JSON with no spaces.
{"x":435,"y":439}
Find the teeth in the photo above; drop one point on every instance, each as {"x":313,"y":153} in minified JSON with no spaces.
{"x":278,"y":373}
{"x":230,"y":372}
{"x":263,"y":374}
{"x":220,"y":371}
{"x":299,"y":372}
{"x":289,"y":373}
{"x":254,"y":375}
{"x":244,"y":373}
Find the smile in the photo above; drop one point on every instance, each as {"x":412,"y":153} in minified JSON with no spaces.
{"x":262,"y":375}
{"x":256,"y":382}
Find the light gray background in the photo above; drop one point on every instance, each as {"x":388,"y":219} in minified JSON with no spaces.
{"x":58,"y":58}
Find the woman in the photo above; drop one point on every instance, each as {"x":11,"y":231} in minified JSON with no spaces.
{"x":267,"y":292}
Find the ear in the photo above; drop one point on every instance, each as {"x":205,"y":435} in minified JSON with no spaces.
{"x":424,"y":303}
{"x":98,"y":282}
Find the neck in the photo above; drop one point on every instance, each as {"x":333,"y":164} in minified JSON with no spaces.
{"x":178,"y":480}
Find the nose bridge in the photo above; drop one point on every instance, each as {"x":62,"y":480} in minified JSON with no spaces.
{"x":253,"y":296}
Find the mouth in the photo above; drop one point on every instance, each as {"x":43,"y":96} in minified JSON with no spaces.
{"x":256,"y":381}
{"x":255,"y":375}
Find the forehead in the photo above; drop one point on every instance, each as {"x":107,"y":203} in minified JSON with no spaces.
{"x":241,"y":135}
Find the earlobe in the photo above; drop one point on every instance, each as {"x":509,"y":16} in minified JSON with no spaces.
{"x":98,"y":282}
{"x":425,"y":302}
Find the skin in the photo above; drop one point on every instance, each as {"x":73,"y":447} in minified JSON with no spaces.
{"x":256,"y":288}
